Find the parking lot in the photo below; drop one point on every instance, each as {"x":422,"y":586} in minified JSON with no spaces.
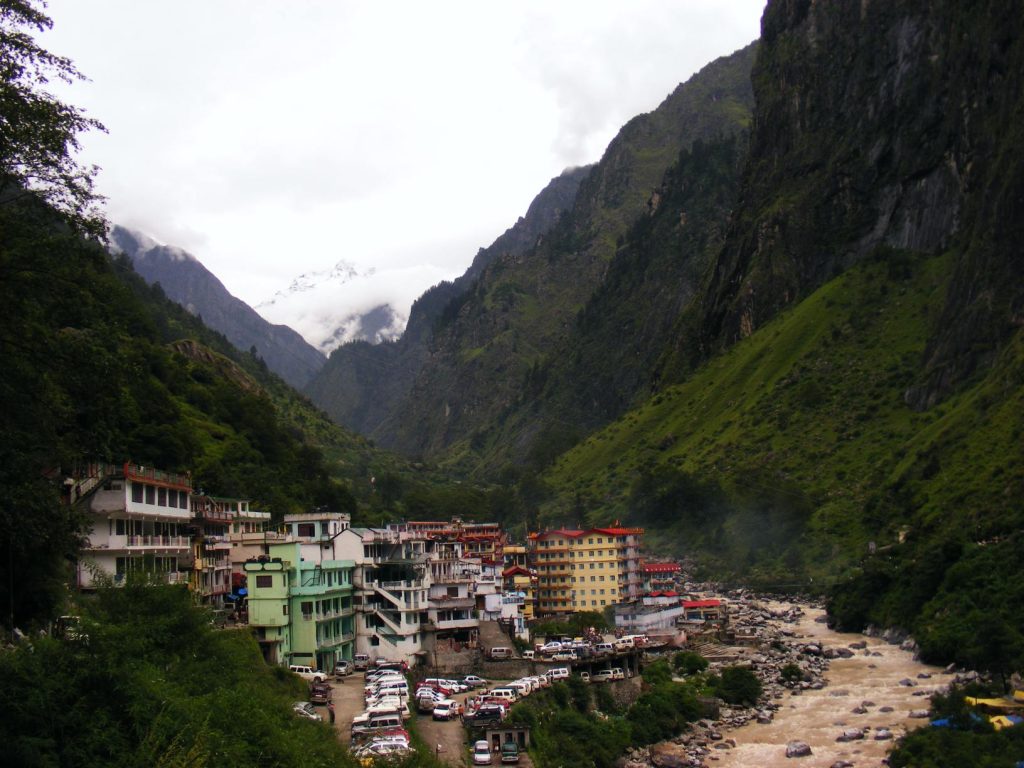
{"x":449,"y":734}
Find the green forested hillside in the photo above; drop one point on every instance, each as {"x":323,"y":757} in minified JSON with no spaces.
{"x":791,"y":457}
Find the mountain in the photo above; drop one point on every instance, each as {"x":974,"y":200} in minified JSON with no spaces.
{"x":185,"y":280}
{"x":841,"y":407}
{"x":344,"y":304}
{"x":363,"y":383}
{"x":507,"y":319}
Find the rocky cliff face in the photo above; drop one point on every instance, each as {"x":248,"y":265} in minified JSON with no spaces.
{"x":185,"y":280}
{"x":881,"y":126}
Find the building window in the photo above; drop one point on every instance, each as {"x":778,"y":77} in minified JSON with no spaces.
{"x":284,"y":609}
{"x":593,"y":602}
{"x":137,"y":493}
{"x":161,"y":497}
{"x":119,"y":527}
{"x":264,"y":582}
{"x":305,"y":530}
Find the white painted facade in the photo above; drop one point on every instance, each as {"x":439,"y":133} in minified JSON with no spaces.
{"x":140,"y":521}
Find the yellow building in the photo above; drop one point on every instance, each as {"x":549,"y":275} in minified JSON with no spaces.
{"x":585,"y":570}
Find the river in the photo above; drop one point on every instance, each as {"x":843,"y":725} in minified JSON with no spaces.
{"x":818,"y":717}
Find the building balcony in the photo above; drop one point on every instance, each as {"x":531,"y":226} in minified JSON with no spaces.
{"x":466,"y":622}
{"x":452,"y":602}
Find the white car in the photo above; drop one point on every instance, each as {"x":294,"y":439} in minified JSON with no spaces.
{"x":481,"y":753}
{"x":307,"y":710}
{"x":602,"y":676}
{"x":455,"y":686}
{"x":445,"y":710}
{"x":383,"y":749}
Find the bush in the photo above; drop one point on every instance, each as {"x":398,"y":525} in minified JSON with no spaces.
{"x":791,"y":673}
{"x":689,"y":663}
{"x":657,"y":673}
{"x":662,"y":713}
{"x":738,"y":685}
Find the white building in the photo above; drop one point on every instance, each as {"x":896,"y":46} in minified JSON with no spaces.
{"x":140,"y":522}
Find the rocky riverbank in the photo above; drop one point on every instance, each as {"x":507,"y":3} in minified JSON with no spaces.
{"x":854,"y":695}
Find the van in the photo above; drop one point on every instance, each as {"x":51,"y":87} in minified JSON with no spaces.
{"x":625,"y":643}
{"x":501,"y":653}
{"x":509,"y":694}
{"x":360,"y":662}
{"x":603,"y":648}
{"x":509,"y":753}
{"x":528,"y":654}
{"x":307,"y":673}
{"x":618,"y":674}
{"x":558,"y":673}
{"x":390,"y":688}
{"x":381,"y":721}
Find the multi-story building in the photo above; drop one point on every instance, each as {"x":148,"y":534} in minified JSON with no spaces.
{"x":392,"y":582}
{"x":657,"y":577}
{"x":585,"y":570}
{"x":251,"y":536}
{"x":210,"y":579}
{"x":302,"y":608}
{"x":517,"y":577}
{"x":140,"y":522}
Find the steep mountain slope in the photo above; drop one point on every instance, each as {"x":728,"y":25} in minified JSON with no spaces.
{"x":362,"y":382}
{"x":185,"y":280}
{"x":521,"y":309}
{"x":877,"y":125}
{"x":853,"y":374}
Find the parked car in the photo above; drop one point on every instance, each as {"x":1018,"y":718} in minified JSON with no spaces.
{"x":557,"y":673}
{"x":383,"y":749}
{"x":481,"y":753}
{"x":509,"y":753}
{"x":486,"y":714}
{"x":602,"y":649}
{"x":307,"y":710}
{"x":320,"y":693}
{"x":447,"y":709}
{"x":565,"y":656}
{"x":473,"y":681}
{"x":552,"y":647}
{"x":602,"y":676}
{"x":308,"y":673}
{"x":360,"y":662}
{"x":528,"y":654}
{"x":501,"y":652}
{"x":342,"y":668}
{"x":618,"y":674}
{"x":585,"y":676}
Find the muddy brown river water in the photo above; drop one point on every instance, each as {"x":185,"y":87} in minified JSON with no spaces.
{"x":819,"y":717}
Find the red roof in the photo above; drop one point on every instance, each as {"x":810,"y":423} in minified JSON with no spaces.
{"x":660,"y":567}
{"x":664,"y":594}
{"x":619,"y":531}
{"x":516,"y":570}
{"x":702,"y":603}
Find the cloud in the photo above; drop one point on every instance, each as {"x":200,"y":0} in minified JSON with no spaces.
{"x":274,"y":138}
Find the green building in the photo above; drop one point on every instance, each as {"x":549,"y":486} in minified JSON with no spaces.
{"x":300,"y":605}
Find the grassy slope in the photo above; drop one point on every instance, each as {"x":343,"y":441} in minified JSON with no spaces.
{"x":811,"y":408}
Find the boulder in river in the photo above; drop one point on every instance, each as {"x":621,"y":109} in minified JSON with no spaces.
{"x":798,"y":749}
{"x":883,"y":734}
{"x":918,"y":714}
{"x":851,"y":734}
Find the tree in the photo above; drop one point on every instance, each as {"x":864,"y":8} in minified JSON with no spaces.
{"x":38,"y":132}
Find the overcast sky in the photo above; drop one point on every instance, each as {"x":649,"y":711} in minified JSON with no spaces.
{"x":275,"y":138}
